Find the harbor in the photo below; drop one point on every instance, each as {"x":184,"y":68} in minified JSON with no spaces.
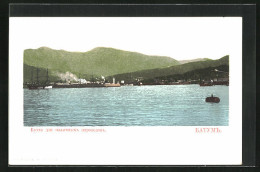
{"x":102,"y":82}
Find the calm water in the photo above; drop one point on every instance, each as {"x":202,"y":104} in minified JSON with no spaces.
{"x":166,"y":105}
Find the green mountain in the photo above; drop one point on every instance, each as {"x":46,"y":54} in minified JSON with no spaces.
{"x":194,"y":60}
{"x":97,"y":62}
{"x":173,"y":70}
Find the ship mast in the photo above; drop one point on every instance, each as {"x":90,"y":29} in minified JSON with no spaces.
{"x":47,"y":76}
{"x":32,"y":75}
{"x":79,"y":79}
{"x":92,"y":79}
{"x":37,"y":76}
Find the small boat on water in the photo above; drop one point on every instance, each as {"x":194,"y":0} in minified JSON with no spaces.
{"x":212,"y":99}
{"x":48,"y":87}
{"x":112,"y":85}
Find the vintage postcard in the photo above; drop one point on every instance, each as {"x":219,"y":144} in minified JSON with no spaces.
{"x":125,"y":91}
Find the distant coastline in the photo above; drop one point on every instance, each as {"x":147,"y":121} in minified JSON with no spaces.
{"x":101,"y":65}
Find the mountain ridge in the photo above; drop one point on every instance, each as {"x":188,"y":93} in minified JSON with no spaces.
{"x":177,"y":69}
{"x":98,"y":61}
{"x":193,"y":60}
{"x":108,"y":62}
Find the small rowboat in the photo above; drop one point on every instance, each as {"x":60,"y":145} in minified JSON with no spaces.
{"x":212,"y":99}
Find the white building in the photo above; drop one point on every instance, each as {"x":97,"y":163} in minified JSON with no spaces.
{"x":82,"y":81}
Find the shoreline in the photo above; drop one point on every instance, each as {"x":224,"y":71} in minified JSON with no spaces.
{"x":126,"y":85}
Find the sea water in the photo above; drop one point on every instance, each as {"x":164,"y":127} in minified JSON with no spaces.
{"x":158,"y":105}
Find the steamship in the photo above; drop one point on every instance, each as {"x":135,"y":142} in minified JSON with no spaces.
{"x":86,"y":85}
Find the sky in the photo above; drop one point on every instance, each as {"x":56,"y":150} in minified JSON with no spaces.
{"x":181,"y":38}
